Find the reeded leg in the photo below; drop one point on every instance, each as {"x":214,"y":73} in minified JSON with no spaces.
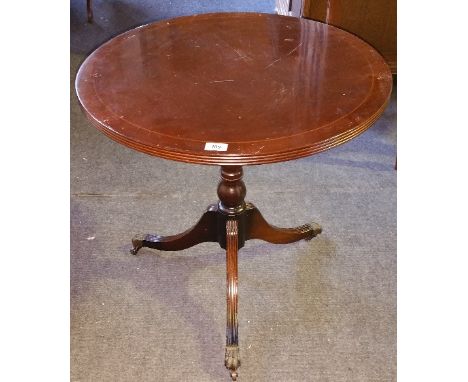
{"x":203,"y":231}
{"x":232,"y":359}
{"x":259,"y":228}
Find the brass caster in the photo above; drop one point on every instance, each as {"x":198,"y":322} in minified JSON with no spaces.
{"x":137,"y":243}
{"x":232,"y":360}
{"x":313,"y":230}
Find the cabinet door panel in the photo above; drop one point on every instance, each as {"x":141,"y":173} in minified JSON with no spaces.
{"x":372,"y":20}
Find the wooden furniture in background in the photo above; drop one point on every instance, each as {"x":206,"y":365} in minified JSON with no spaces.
{"x":233,"y":89}
{"x":289,"y":7}
{"x":375,"y":21}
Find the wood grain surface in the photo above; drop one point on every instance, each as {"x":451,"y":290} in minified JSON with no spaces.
{"x":269,"y":88}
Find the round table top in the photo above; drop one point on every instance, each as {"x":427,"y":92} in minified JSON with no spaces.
{"x":234,"y":88}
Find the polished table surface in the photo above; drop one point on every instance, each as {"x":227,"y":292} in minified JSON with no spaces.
{"x":263,"y":88}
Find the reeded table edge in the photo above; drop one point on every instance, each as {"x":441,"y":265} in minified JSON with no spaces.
{"x":241,"y":160}
{"x":236,"y":159}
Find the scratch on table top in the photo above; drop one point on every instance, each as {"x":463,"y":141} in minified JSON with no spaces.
{"x":260,"y":149}
{"x":289,"y":53}
{"x":294,"y":49}
{"x":242,"y":56}
{"x":216,"y":81}
{"x":274,"y":62}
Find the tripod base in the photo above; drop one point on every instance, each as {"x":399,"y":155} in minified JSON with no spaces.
{"x":230,"y":223}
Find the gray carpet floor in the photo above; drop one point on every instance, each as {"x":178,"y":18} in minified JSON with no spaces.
{"x":323,"y":310}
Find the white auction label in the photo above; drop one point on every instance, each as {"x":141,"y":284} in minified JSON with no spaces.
{"x":211,"y":146}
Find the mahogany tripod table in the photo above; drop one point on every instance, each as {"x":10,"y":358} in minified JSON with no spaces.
{"x":233,"y":89}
